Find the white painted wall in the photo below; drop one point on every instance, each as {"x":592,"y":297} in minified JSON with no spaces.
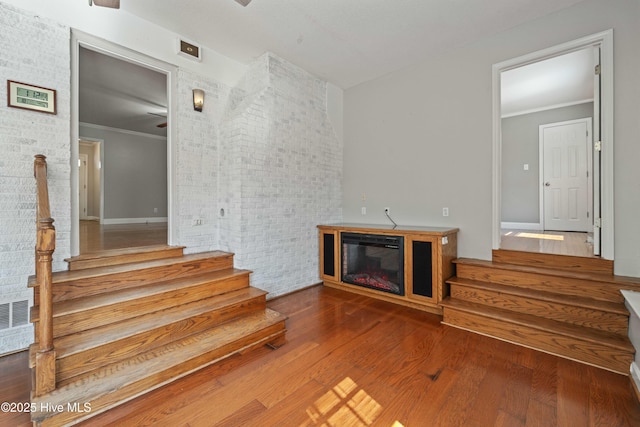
{"x":135,"y":174}
{"x":420,"y":139}
{"x":520,"y":145}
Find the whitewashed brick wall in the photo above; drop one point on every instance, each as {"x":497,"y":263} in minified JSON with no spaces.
{"x":197,"y":152}
{"x":264,"y":151}
{"x":287,"y":171}
{"x":34,"y":51}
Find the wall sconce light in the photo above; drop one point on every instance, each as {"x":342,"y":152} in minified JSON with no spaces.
{"x":198,"y":99}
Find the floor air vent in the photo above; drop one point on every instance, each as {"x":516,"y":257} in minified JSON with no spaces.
{"x":14,"y":314}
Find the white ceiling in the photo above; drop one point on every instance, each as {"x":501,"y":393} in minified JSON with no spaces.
{"x":555,"y":82}
{"x":121,"y":95}
{"x":343,"y":42}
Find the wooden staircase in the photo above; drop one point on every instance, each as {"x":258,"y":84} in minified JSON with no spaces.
{"x":567,"y":306}
{"x":129,"y":321}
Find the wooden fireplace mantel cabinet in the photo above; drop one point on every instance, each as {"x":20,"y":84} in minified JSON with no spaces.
{"x":428,"y":262}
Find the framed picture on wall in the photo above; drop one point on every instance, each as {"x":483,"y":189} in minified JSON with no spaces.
{"x":30,"y":97}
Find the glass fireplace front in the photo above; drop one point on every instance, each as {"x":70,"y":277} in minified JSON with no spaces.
{"x":373,"y":261}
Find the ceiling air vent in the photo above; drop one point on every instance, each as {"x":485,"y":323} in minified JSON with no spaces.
{"x":190,"y":50}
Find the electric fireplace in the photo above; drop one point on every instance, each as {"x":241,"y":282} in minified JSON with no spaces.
{"x":373,"y":261}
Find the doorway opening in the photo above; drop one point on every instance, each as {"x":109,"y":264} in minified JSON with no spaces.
{"x":534,"y":212}
{"x":121,"y":190}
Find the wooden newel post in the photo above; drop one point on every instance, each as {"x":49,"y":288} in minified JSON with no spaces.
{"x":44,"y":253}
{"x":45,"y":358}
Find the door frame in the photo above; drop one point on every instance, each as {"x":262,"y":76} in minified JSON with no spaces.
{"x":97,"y":148}
{"x":541,"y":164}
{"x":83,"y":173}
{"x":605,"y":41}
{"x":88,"y":41}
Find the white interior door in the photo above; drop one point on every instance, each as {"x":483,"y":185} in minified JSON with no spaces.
{"x":82,"y":184}
{"x":565,"y":175}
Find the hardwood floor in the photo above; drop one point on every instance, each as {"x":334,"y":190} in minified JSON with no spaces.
{"x":96,"y":237}
{"x":350,"y":360}
{"x":547,"y":242}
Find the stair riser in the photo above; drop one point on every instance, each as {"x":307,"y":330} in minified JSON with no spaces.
{"x":138,"y":387}
{"x":547,"y":283}
{"x":87,"y":319}
{"x":119,"y":259}
{"x":108,"y":283}
{"x":561,"y":262}
{"x":122,"y":349}
{"x":581,"y":316}
{"x":568,"y":347}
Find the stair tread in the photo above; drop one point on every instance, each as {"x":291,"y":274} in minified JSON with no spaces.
{"x":68,"y":276}
{"x":631,"y":282}
{"x":140,"y":372}
{"x":578,"y":332}
{"x":121,"y":252}
{"x":61,"y":308}
{"x":577,"y":301}
{"x":81,"y":341}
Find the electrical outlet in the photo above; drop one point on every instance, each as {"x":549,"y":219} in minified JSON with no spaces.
{"x":363,"y":210}
{"x":387,"y":211}
{"x":445,"y":211}
{"x":155,"y":210}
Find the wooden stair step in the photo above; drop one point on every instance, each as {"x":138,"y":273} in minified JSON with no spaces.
{"x":78,"y":314}
{"x":123,"y":381}
{"x":81,"y":283}
{"x":607,"y":351}
{"x":123,"y":256}
{"x":593,"y":265}
{"x":597,"y":286}
{"x":602,"y":315}
{"x":89,"y":350}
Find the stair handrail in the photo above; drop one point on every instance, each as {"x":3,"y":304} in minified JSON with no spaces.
{"x":45,"y":375}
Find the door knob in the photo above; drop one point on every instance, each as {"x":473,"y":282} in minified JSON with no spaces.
{"x":547,"y":184}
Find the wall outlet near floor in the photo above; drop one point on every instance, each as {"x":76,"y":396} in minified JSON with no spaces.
{"x":445,"y":211}
{"x":363,"y":210}
{"x":387,"y":211}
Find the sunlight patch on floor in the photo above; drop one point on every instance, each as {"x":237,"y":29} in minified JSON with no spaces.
{"x":540,"y":236}
{"x":346,"y":404}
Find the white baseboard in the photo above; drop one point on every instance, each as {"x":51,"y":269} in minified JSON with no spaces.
{"x":635,"y":376}
{"x":521,"y":226}
{"x":110,"y":221}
